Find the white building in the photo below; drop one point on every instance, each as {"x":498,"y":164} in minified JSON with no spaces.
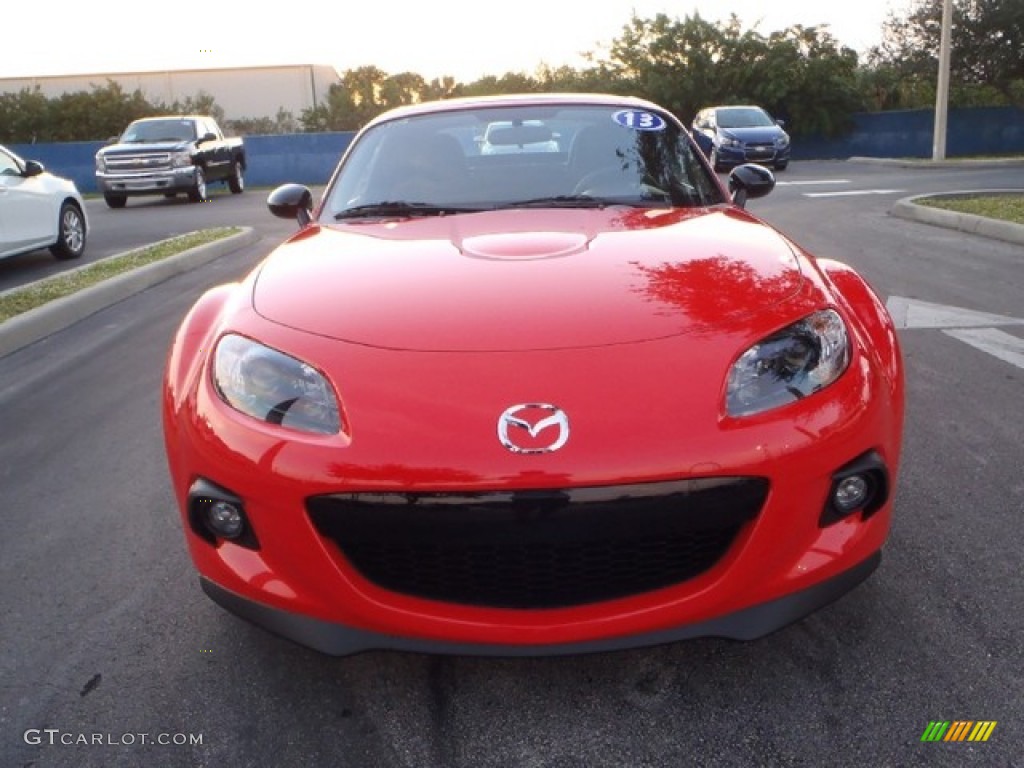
{"x":249,"y":92}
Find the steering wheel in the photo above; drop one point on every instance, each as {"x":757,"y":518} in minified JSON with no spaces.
{"x":611,"y":181}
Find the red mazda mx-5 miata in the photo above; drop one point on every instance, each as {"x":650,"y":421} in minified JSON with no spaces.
{"x":529,"y":380}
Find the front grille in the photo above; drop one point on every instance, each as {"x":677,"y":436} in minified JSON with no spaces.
{"x":539,"y":549}
{"x":760,"y":151}
{"x":139,"y":162}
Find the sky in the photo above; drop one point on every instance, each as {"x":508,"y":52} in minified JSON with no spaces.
{"x":466,"y":40}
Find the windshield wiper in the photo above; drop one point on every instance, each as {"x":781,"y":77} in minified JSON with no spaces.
{"x":400,"y":208}
{"x":558,"y":201}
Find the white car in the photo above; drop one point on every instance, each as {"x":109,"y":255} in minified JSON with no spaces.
{"x":516,"y":137}
{"x":39,"y":210}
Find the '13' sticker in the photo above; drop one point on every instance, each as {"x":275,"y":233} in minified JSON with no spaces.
{"x":639,"y":120}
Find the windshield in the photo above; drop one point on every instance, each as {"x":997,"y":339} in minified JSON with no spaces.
{"x":744,"y":117}
{"x":525,"y":156}
{"x":146,"y":131}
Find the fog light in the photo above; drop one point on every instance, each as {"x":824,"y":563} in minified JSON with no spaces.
{"x":851,"y":493}
{"x":216,"y":514}
{"x":861,"y":486}
{"x":225,"y":519}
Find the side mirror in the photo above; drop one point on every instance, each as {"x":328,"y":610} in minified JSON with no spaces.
{"x":780,"y":123}
{"x":208,"y":136}
{"x":749,"y":181}
{"x":292,"y":201}
{"x":33,"y":168}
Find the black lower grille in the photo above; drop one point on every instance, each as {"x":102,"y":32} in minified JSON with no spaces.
{"x":539,"y":549}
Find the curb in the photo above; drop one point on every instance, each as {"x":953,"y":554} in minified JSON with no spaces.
{"x":996,"y":229}
{"x":36,"y":324}
{"x":909,"y":162}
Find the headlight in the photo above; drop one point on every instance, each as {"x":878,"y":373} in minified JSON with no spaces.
{"x":729,"y":141}
{"x":273,"y":387}
{"x":782,"y":141}
{"x":181,"y":159}
{"x":793,"y":363}
{"x":101,"y":164}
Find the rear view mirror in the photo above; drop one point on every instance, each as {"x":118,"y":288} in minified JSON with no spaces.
{"x":518,"y":135}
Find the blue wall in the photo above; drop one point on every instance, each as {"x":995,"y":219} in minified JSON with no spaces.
{"x":979,"y":131}
{"x":309,"y":158}
{"x":305,"y":158}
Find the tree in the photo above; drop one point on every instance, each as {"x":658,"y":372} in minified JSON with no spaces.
{"x":23,"y":116}
{"x":800,"y":73}
{"x":988,"y":48}
{"x":363,"y":94}
{"x":283,"y":122}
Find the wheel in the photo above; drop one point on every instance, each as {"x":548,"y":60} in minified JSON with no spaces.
{"x":70,"y":233}
{"x":198,"y":192}
{"x":236,"y":181}
{"x":781,"y":166}
{"x":115,"y":200}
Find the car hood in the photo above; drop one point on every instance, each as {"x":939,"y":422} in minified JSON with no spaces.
{"x":755,"y":134}
{"x":136,"y":147}
{"x":527,"y":279}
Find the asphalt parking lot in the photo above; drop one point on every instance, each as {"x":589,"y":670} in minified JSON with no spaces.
{"x":106,"y":635}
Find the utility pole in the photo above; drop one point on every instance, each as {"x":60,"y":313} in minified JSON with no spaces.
{"x":942,"y":91}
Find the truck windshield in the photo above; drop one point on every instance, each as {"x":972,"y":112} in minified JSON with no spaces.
{"x":146,"y":131}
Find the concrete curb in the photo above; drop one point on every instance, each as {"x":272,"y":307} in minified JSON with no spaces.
{"x":910,"y":162}
{"x":36,"y":324}
{"x":996,"y":229}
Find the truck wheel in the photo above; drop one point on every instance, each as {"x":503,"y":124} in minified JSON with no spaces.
{"x":70,"y":233}
{"x":114,"y":200}
{"x":236,"y":181}
{"x":198,"y":192}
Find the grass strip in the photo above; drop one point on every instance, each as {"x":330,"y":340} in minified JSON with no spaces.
{"x":19,"y":300}
{"x":1008,"y":207}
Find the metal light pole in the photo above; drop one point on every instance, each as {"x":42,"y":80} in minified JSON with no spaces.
{"x":942,"y":91}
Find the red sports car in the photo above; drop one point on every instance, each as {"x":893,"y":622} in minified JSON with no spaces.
{"x":559,"y":396}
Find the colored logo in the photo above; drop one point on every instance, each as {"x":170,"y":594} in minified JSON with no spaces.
{"x":639,"y":120}
{"x":958,"y":730}
{"x":533,"y":428}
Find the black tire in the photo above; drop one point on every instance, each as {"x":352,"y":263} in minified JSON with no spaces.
{"x":781,"y":166}
{"x":236,"y":181}
{"x":114,"y":200}
{"x":70,"y":233}
{"x":198,"y":192}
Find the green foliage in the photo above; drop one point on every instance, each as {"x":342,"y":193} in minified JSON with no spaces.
{"x":29,"y":117}
{"x":800,"y":74}
{"x":987,"y":62}
{"x":283,"y":122}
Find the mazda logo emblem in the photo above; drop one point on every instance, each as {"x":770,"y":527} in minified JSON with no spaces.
{"x":533,"y":428}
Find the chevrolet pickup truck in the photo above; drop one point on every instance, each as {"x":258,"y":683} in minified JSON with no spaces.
{"x":167,"y":156}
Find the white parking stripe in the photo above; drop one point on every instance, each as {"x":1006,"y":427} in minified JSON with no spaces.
{"x":811,"y":182}
{"x":912,"y":313}
{"x":962,"y":324}
{"x":1003,"y":345}
{"x":855,"y":192}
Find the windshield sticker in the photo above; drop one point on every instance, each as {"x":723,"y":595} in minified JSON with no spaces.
{"x":639,"y":120}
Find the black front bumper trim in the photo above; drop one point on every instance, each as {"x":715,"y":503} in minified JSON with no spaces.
{"x":746,"y":624}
